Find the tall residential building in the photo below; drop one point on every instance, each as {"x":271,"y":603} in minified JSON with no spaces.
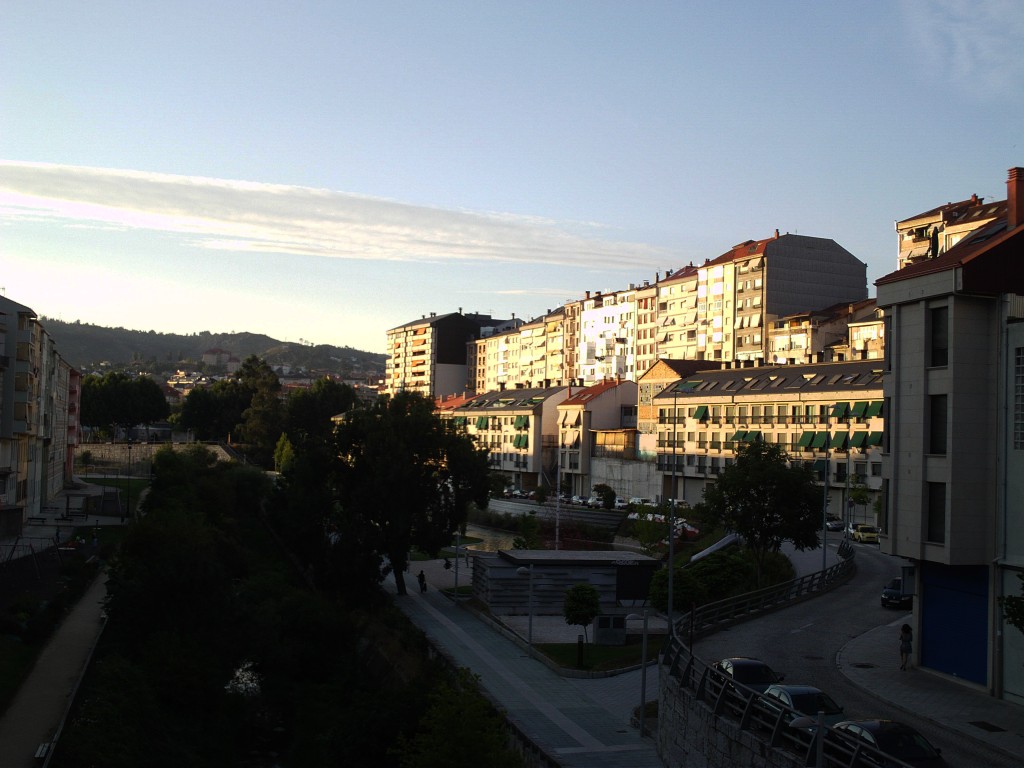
{"x":607,"y":339}
{"x":676,"y":336}
{"x":429,"y":355}
{"x":646,"y":354}
{"x":954,"y":450}
{"x":824,"y":335}
{"x":39,"y":396}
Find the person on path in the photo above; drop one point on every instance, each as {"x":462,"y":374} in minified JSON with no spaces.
{"x":906,"y":645}
{"x":422,"y":579}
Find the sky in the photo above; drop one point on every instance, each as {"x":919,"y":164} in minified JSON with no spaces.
{"x":326,"y":170}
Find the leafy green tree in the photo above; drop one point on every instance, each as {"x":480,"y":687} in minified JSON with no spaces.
{"x":308,"y":412}
{"x":263,"y":419}
{"x":687,"y":590}
{"x":542,"y":493}
{"x":582,"y":606}
{"x":284,"y":454}
{"x":648,"y":531}
{"x":529,"y":532}
{"x":459,"y":708}
{"x":765,"y":501}
{"x":607,"y":495}
{"x":1013,"y":606}
{"x":404,"y":479}
{"x":118,"y":400}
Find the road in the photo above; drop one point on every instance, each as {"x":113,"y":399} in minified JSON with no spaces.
{"x":802,"y":642}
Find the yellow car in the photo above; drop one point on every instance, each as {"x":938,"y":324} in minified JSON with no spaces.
{"x":865,"y":534}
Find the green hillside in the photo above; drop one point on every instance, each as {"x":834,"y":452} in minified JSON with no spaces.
{"x":92,"y":347}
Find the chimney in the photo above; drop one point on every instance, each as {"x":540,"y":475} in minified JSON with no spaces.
{"x":1014,"y":198}
{"x":776,"y":234}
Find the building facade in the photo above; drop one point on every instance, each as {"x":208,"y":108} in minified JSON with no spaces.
{"x":954,"y":452}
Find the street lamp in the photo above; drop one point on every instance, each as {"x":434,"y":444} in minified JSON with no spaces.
{"x":643,"y":673}
{"x":818,"y":724}
{"x":672,"y":507}
{"x":524,"y":571}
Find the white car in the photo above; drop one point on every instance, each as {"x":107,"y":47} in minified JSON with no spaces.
{"x":620,"y":503}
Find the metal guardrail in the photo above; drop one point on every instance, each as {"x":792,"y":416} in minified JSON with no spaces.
{"x":723,"y":613}
{"x":769,"y":719}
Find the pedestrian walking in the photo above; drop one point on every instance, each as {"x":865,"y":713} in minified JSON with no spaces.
{"x":906,"y":645}
{"x":421,"y":577}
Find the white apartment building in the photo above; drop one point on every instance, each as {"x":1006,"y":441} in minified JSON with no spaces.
{"x":954,"y":451}
{"x":607,"y":340}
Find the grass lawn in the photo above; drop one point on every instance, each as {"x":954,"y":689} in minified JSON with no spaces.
{"x":134,"y":486}
{"x":601,"y":658}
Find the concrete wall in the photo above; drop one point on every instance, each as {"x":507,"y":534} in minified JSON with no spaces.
{"x":691,"y":736}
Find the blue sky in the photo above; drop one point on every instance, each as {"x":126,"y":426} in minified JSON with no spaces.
{"x":327,"y":170}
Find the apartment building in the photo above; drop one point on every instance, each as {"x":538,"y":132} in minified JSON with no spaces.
{"x":931,"y":233}
{"x":429,"y":355}
{"x":607,"y":405}
{"x":825,"y":335}
{"x":954,"y":454}
{"x":607,"y":336}
{"x":646,"y":352}
{"x":676,"y":336}
{"x":39,"y":405}
{"x":518,"y":427}
{"x":828,"y":416}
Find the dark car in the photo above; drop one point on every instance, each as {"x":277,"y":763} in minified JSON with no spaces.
{"x":834,"y":523}
{"x":807,"y":700}
{"x":753,"y":673}
{"x":893,"y":738}
{"x":893,"y":597}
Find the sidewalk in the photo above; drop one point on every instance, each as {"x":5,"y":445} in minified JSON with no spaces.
{"x":870,"y":662}
{"x":38,"y":710}
{"x":583,"y":723}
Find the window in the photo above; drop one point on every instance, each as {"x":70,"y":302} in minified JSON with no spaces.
{"x":937,"y":424}
{"x":876,"y":469}
{"x":936,"y":523}
{"x":938,"y":332}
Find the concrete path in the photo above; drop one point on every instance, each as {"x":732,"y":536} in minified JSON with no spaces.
{"x":37,"y":712}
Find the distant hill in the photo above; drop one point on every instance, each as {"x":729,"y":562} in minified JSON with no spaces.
{"x":93,"y":347}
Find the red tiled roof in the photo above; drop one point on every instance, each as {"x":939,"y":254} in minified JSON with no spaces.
{"x":585,"y":395}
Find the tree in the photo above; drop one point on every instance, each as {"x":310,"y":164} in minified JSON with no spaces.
{"x":458,"y":708}
{"x":284,"y":454}
{"x":582,"y":606}
{"x":1013,"y":606}
{"x":404,"y":479}
{"x":765,"y":501}
{"x":118,"y":400}
{"x":607,"y":494}
{"x":529,"y":532}
{"x":308,"y":412}
{"x":648,"y":531}
{"x":263,"y":419}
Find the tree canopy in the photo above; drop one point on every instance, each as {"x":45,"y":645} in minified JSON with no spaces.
{"x":404,"y":479}
{"x":765,"y":501}
{"x":118,"y":400}
{"x":582,"y":606}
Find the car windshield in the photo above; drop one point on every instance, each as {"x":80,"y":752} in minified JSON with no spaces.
{"x":813,"y":703}
{"x":905,"y":744}
{"x":753,"y":673}
{"x":868,"y":529}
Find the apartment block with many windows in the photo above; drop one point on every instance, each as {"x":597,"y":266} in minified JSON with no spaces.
{"x":954,"y":460}
{"x":827,"y":416}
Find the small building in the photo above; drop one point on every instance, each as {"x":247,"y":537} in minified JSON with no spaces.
{"x":621,"y":578}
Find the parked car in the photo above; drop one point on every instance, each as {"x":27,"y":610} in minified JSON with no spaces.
{"x":893,"y":738}
{"x":640,"y":501}
{"x":577,"y":500}
{"x":595,"y":502}
{"x":833,"y":523}
{"x":866,"y":534}
{"x":807,"y":700}
{"x":893,"y":597}
{"x":620,"y":503}
{"x":753,"y":673}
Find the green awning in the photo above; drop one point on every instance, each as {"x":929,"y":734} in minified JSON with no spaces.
{"x":481,"y":422}
{"x":820,"y":440}
{"x":701,"y":413}
{"x":525,"y":442}
{"x":738,"y":437}
{"x":875,"y":438}
{"x":518,"y":423}
{"x":526,"y":422}
{"x":839,"y":410}
{"x":805,"y":440}
{"x":875,"y":409}
{"x":858,"y":409}
{"x":838,"y":441}
{"x":517,"y":441}
{"x":821,"y":465}
{"x":857,"y":439}
{"x":753,"y":437}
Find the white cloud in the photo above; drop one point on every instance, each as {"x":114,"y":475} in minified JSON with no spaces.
{"x":221,"y":214}
{"x":975,"y":45}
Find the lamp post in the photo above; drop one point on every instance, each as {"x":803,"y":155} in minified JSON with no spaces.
{"x":824,"y":507}
{"x":672,"y":509}
{"x":457,"y":539}
{"x":128,"y":481}
{"x":643,"y":673}
{"x":524,"y":571}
